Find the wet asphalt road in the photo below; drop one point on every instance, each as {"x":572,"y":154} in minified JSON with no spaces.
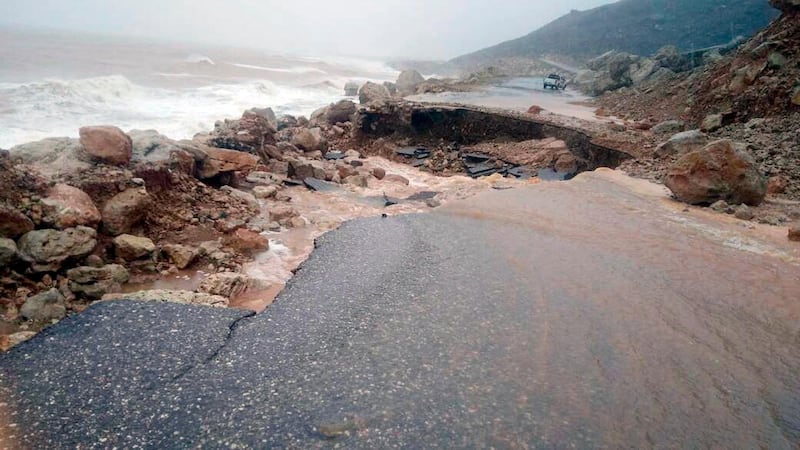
{"x":581,"y":315}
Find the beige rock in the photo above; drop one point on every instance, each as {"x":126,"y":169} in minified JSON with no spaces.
{"x":13,"y":223}
{"x":172,"y":296}
{"x":47,"y":249}
{"x":225,"y":284}
{"x":108,"y":144}
{"x":68,"y":207}
{"x":125,"y":210}
{"x":129,"y":247}
{"x":181,"y":255}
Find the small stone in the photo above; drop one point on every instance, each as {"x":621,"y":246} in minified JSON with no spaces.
{"x":433,"y":202}
{"x":378,"y":173}
{"x":130,"y":247}
{"x":744,"y":212}
{"x":794,"y":232}
{"x":44,"y":307}
{"x":719,"y":206}
{"x":265,"y":191}
{"x":181,"y":255}
{"x":712,"y":122}
{"x":8,"y":252}
{"x":226,"y":284}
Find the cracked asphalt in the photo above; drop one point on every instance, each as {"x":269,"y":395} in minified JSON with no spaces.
{"x":588,"y":314}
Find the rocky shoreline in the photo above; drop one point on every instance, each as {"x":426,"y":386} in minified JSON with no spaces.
{"x":225,"y":218}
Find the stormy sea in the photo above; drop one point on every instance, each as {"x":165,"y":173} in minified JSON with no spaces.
{"x":51,"y":84}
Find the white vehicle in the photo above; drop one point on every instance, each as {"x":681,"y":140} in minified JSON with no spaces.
{"x":555,"y":81}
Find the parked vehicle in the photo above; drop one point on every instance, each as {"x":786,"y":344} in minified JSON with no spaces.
{"x":555,"y":81}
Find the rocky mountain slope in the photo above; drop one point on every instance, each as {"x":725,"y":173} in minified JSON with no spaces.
{"x":636,"y":26}
{"x":751,"y":96}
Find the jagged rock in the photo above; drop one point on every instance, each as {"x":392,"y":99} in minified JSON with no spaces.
{"x":225,"y":284}
{"x":252,"y":131}
{"x":373,"y":92}
{"x":712,"y":122}
{"x":8,"y":252}
{"x":46,"y":250}
{"x":222,"y":160}
{"x":340,"y":111}
{"x":108,"y":144}
{"x":643,"y":69}
{"x":670,"y":57}
{"x":54,"y":156}
{"x":15,"y":339}
{"x":308,"y":139}
{"x":13,"y":223}
{"x":357,"y":180}
{"x":743,"y":212}
{"x":393,"y":178}
{"x":268,"y":114}
{"x":95,"y":282}
{"x":351,"y":89}
{"x":408,"y":81}
{"x":566,"y":163}
{"x":67,"y":207}
{"x":302,"y":168}
{"x":130,"y":247}
{"x":669,"y":126}
{"x":151,"y":146}
{"x":44,"y":307}
{"x":794,"y":232}
{"x":391,"y":87}
{"x":685,"y":142}
{"x":125,"y":210}
{"x":265,"y":191}
{"x":172,"y":296}
{"x":263,"y":178}
{"x":247,"y":241}
{"x":245,"y":197}
{"x":181,"y":255}
{"x":281,"y":212}
{"x":720,"y":171}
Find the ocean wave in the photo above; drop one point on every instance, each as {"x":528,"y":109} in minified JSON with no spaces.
{"x":196,"y":58}
{"x":60,"y":107}
{"x":282,"y":70}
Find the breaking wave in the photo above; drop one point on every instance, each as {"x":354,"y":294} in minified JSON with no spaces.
{"x":59,"y":107}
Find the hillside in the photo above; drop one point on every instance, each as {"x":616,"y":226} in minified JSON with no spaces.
{"x":637,"y":26}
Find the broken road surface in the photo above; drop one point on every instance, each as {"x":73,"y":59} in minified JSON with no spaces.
{"x":593,"y":313}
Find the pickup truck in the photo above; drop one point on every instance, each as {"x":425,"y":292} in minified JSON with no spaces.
{"x":555,"y":81}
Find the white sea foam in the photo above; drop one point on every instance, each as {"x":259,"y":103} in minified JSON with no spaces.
{"x":281,"y":70}
{"x":58,"y":108}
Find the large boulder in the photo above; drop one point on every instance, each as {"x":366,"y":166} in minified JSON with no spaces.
{"x":108,"y":144}
{"x":722,"y":170}
{"x":221,"y":160}
{"x":46,"y":250}
{"x":44,"y":307}
{"x":53,"y":156}
{"x":124,"y":210}
{"x":8,"y":252}
{"x":680,"y":143}
{"x":373,"y":92}
{"x":13,"y":223}
{"x":308,"y":139}
{"x":408,"y":81}
{"x":670,"y":57}
{"x":129,"y":247}
{"x":340,"y":111}
{"x":95,"y":282}
{"x":66,"y":207}
{"x":151,"y":146}
{"x":252,"y":131}
{"x":181,"y":255}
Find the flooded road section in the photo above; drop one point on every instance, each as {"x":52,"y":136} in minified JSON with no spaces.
{"x":590,"y":313}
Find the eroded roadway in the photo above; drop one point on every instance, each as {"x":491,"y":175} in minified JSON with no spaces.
{"x":593,"y":313}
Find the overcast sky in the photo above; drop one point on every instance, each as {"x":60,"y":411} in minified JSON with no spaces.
{"x":386,"y":28}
